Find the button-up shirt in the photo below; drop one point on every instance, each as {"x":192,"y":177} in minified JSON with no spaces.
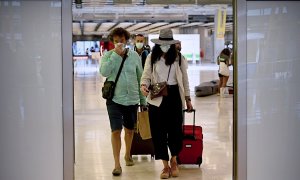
{"x":127,"y":91}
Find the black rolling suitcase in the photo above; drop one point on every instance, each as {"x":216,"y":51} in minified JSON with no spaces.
{"x":141,"y":146}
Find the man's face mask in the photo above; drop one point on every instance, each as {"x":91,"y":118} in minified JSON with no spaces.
{"x":139,"y":45}
{"x":164,"y":48}
{"x":120,"y":44}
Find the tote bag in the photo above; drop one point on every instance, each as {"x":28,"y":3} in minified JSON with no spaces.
{"x":143,"y":125}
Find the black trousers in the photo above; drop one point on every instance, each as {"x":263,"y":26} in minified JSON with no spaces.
{"x":166,"y":124}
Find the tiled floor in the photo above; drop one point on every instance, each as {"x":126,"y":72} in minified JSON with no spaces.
{"x":93,"y":152}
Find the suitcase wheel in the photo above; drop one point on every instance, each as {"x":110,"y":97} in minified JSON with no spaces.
{"x":199,"y":161}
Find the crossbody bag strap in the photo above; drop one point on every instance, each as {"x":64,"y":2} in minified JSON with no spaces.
{"x":169,"y":73}
{"x":121,"y":66}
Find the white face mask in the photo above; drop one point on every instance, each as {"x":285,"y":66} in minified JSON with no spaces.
{"x":120,"y":44}
{"x":139,"y":45}
{"x":164,"y":48}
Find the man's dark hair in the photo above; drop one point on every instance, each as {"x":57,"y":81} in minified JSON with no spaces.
{"x":139,"y":35}
{"x":119,"y":32}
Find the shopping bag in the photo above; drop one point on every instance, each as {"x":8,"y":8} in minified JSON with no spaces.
{"x":143,"y":125}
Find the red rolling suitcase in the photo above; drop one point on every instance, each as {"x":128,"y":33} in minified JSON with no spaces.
{"x":192,"y":148}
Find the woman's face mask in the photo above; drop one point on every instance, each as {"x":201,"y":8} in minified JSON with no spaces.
{"x":139,"y":45}
{"x":164,"y":48}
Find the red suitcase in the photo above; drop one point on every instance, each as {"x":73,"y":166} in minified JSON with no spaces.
{"x":192,"y":148}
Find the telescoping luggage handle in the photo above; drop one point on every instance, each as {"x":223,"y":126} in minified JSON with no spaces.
{"x":186,"y":111}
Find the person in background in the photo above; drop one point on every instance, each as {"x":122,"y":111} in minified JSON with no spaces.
{"x":178,"y":46}
{"x":140,"y":48}
{"x":165,"y":112}
{"x":148,"y":48}
{"x":92,"y":49}
{"x":224,"y":63}
{"x":87,"y":52}
{"x":122,"y":109}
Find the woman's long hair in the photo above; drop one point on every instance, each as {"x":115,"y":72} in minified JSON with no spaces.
{"x":170,"y":56}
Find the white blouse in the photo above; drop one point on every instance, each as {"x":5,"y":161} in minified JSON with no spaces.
{"x":162,"y":71}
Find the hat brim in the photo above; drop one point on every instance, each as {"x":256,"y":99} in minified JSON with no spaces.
{"x":164,"y":42}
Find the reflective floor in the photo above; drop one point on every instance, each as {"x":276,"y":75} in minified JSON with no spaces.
{"x":93,"y":151}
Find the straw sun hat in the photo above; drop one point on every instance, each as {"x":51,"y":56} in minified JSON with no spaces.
{"x":165,"y":38}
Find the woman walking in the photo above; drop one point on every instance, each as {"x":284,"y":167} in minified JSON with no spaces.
{"x":165,"y":112}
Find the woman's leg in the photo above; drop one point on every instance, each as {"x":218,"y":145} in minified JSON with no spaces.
{"x":158,"y":133}
{"x":166,"y":172}
{"x":224,"y":85}
{"x":224,"y":81}
{"x":220,"y":83}
{"x":174,"y":117}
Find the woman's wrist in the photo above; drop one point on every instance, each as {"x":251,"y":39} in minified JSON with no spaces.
{"x":187,"y":98}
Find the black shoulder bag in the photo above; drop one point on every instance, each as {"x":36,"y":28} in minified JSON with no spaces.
{"x":108,"y":88}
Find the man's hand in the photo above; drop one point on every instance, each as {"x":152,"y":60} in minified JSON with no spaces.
{"x":120,"y":49}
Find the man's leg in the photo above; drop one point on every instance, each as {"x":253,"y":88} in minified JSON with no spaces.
{"x":116,"y":146}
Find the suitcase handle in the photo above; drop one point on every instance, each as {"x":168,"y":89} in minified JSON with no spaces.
{"x":187,"y":111}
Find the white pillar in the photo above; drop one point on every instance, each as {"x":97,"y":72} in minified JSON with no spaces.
{"x":220,"y":23}
{"x":31,"y":78}
{"x":203,"y":41}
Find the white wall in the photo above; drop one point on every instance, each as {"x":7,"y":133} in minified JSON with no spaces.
{"x":273,"y":100}
{"x":31,"y":133}
{"x":190,"y":44}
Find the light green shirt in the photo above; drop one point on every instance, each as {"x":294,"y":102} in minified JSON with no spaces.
{"x":127,"y":91}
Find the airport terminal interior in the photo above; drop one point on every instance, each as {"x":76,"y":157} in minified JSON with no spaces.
{"x":54,"y":122}
{"x":92,"y":22}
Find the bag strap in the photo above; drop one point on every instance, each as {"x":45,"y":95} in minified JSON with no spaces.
{"x":169,"y":73}
{"x":121,"y":66}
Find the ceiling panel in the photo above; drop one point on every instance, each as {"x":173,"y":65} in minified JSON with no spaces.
{"x":125,"y":24}
{"x":76,"y":28}
{"x":105,"y":26}
{"x":89,"y":27}
{"x":152,"y":26}
{"x":172,"y":25}
{"x":98,"y":17}
{"x":192,"y":24}
{"x":137,"y":26}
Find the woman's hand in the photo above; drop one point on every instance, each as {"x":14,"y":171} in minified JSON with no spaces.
{"x":189,"y":105}
{"x":144,"y":90}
